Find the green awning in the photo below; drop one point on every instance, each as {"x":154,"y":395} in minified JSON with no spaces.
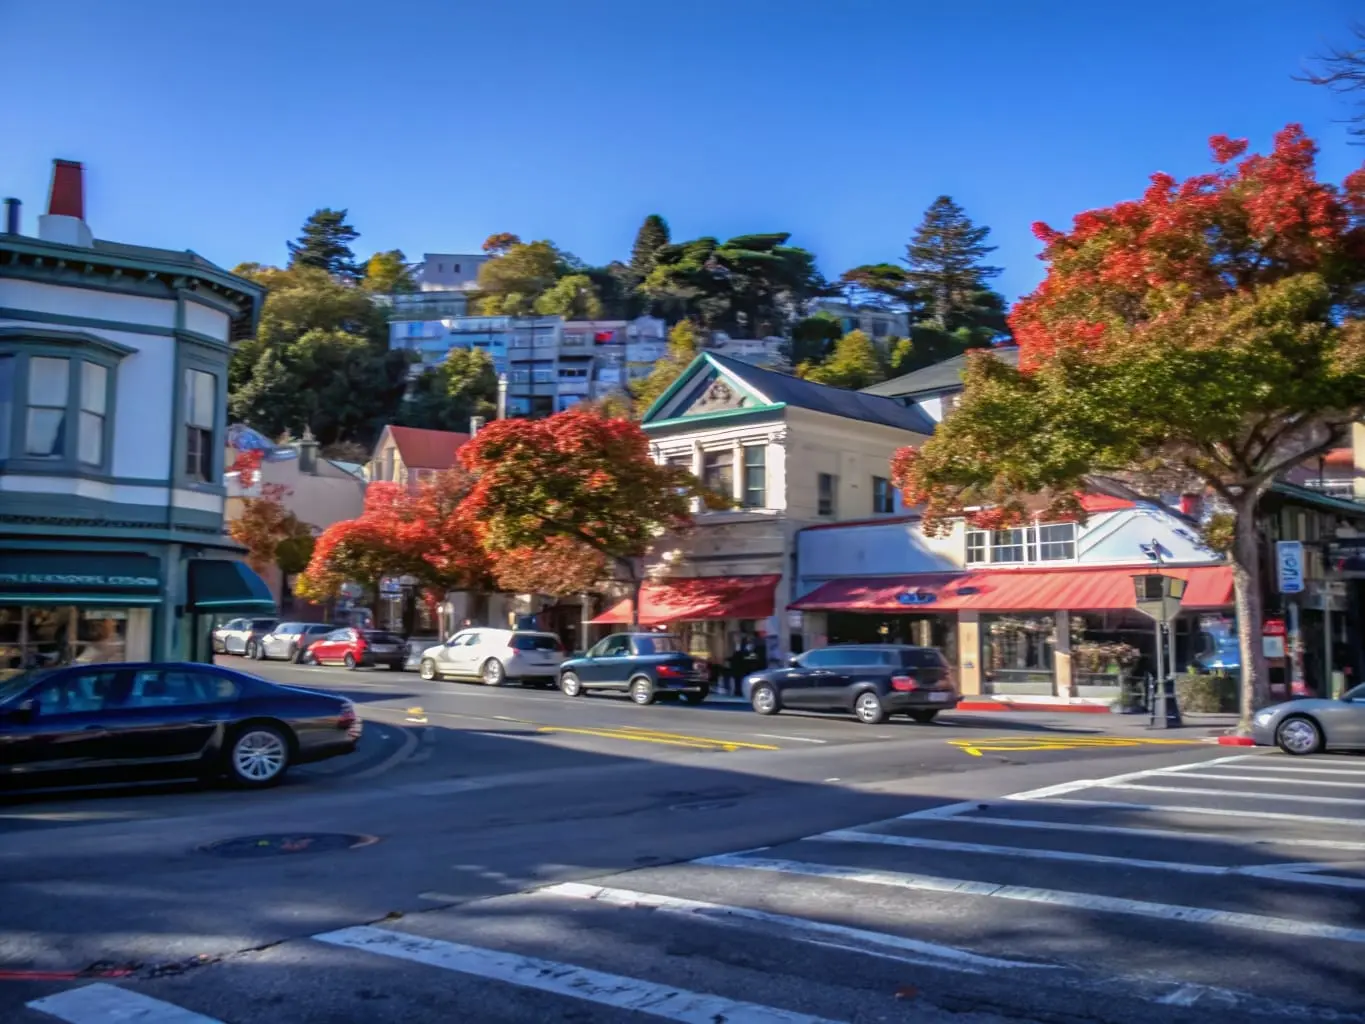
{"x":218,"y":586}
{"x":103,"y":600}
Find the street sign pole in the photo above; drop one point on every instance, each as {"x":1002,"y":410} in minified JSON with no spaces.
{"x":1159,"y":597}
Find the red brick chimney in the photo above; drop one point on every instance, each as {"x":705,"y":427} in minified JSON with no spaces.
{"x":64,"y":221}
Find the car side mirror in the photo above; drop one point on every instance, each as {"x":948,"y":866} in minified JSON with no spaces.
{"x":25,"y":711}
{"x":794,"y":661}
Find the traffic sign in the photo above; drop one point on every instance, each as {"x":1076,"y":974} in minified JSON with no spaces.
{"x":1289,"y":566}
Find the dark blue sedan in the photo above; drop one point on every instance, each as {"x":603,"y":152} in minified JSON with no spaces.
{"x":109,"y":724}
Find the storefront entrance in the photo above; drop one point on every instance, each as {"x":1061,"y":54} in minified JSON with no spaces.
{"x":938,"y":631}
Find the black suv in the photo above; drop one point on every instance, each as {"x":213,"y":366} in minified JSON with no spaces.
{"x":645,"y":665}
{"x":871,"y":680}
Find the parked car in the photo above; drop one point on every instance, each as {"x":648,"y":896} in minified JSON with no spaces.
{"x":870,"y":680}
{"x":289,"y":640}
{"x":495,"y":655}
{"x":356,"y":647}
{"x":1310,"y":726}
{"x":240,"y":636}
{"x":119,"y":723}
{"x":645,"y":665}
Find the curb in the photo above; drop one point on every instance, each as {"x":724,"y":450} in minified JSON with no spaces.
{"x":1236,"y":741}
{"x":998,"y":705}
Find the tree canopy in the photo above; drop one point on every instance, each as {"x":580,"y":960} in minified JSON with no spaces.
{"x":518,"y":274}
{"x":388,"y":272}
{"x":325,"y":244}
{"x":684,"y":345}
{"x":854,"y":364}
{"x":644,"y":254}
{"x":1205,"y":337}
{"x":446,"y":396}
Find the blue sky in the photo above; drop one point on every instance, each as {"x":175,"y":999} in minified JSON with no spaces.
{"x":220,"y":127}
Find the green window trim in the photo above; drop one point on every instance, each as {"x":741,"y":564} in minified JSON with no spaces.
{"x":192,"y":358}
{"x":77,"y":348}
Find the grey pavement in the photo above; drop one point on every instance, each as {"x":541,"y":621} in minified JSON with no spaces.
{"x":502,"y":870}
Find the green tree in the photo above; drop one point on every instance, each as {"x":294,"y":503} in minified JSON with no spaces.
{"x":944,"y":259}
{"x":325,"y":244}
{"x":387,"y":272}
{"x":854,"y":364}
{"x":447,"y":396}
{"x":684,"y":345}
{"x":1203,"y":337}
{"x":652,"y":236}
{"x":573,"y":297}
{"x":813,"y":338}
{"x":512,"y":281}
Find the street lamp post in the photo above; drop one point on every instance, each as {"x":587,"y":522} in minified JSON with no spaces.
{"x":1158,"y":597}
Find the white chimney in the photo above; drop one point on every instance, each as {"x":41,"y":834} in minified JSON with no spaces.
{"x":64,"y":221}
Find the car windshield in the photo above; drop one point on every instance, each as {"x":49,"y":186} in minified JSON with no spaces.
{"x":658,"y":645}
{"x":15,"y":685}
{"x":263,"y":624}
{"x":532,"y":642}
{"x":1355,"y":693}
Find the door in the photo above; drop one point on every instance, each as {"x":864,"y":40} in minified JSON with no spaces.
{"x":279,"y":643}
{"x":64,"y":735}
{"x":812,"y":683}
{"x":169,"y":716}
{"x":234,"y":636}
{"x":456,"y":655}
{"x":608,"y":662}
{"x":225,"y":632}
{"x":332,"y":647}
{"x":1345,"y":722}
{"x":853,"y":669}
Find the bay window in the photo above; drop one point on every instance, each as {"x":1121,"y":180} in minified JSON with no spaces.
{"x":200,"y":402}
{"x":7,"y":375}
{"x":94,"y":400}
{"x":49,"y":388}
{"x":755,"y":476}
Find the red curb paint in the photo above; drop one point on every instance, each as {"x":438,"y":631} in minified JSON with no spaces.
{"x":1236,"y":741}
{"x":999,"y":705}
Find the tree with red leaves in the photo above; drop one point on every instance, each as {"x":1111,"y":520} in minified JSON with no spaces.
{"x":581,"y":492}
{"x":1205,"y":336}
{"x":265,"y":524}
{"x":425,"y":533}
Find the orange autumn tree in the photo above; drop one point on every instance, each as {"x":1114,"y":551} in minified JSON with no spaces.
{"x":573,"y":499}
{"x":271,"y":534}
{"x":1206,"y":336}
{"x":426,"y":533}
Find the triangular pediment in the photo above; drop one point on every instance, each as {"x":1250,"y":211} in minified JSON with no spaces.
{"x":706,"y":389}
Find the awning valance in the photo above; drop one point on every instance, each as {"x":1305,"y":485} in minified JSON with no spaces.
{"x":1109,"y":588}
{"x":694,"y":600}
{"x":218,"y":586}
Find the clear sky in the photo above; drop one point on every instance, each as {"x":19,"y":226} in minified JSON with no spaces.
{"x":220,"y":126}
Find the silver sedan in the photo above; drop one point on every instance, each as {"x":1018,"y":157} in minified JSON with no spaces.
{"x":1310,"y":726}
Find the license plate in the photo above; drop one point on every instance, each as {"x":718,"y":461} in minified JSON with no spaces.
{"x":940,"y":696}
{"x":383,"y":649}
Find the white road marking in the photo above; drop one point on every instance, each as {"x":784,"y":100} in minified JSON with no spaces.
{"x":1220,"y":812}
{"x":851,"y":938}
{"x":1358,"y":773}
{"x":1298,"y":873}
{"x":664,"y":1001}
{"x":1160,"y":833}
{"x":795,"y":739}
{"x":108,"y":1004}
{"x":1293,"y":797}
{"x":1048,"y":897}
{"x":1261,"y":779}
{"x":1075,"y":785}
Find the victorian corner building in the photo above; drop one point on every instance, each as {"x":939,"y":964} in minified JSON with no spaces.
{"x":113,"y":390}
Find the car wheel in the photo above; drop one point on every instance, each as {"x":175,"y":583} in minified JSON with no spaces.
{"x":1299,"y":736}
{"x":923,"y":717}
{"x":570,"y":685}
{"x":642,"y":691}
{"x":427,"y":670}
{"x":493,"y":673}
{"x":764,"y":699}
{"x":694,"y":696}
{"x":259,"y":756}
{"x":253,"y":650}
{"x":349,"y":662}
{"x":868,"y":708}
{"x":297,"y":656}
{"x":309,"y":658}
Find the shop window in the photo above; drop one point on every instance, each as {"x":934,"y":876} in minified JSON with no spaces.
{"x":1009,"y":545}
{"x":718,"y":471}
{"x":1017,"y":652}
{"x":94,"y":399}
{"x":977,"y":552}
{"x":49,"y":388}
{"x":755,"y":476}
{"x":827,"y":486}
{"x":1057,"y":542}
{"x":200,"y":388}
{"x":883,"y":498}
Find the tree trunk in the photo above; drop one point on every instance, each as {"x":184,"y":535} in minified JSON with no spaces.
{"x":1246,"y":575}
{"x":636,"y":585}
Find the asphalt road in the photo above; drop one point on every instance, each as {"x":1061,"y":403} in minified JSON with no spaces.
{"x":518,"y":856}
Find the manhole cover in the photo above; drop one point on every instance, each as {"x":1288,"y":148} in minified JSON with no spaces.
{"x":286,"y":843}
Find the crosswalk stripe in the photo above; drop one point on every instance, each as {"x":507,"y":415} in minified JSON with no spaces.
{"x":108,"y":1004}
{"x":1222,"y":812}
{"x":1283,"y":782}
{"x":614,"y":990}
{"x":1050,"y":897}
{"x":725,"y":914}
{"x":1181,"y":790}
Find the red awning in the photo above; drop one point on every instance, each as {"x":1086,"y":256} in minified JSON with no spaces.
{"x":691,"y":600}
{"x":1015,"y":590}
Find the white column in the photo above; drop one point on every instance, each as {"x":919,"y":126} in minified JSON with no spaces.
{"x":698,"y":464}
{"x":737,"y":477}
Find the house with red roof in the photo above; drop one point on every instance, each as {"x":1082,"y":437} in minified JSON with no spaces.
{"x":409,"y":455}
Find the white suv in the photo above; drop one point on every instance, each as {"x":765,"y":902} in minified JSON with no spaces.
{"x":495,"y":655}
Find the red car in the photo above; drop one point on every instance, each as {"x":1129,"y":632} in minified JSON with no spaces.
{"x":354,"y":647}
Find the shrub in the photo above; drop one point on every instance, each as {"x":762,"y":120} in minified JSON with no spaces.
{"x":1206,"y":693}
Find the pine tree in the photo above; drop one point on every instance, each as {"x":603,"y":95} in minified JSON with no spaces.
{"x":325,"y":243}
{"x":945,"y":257}
{"x":652,"y":236}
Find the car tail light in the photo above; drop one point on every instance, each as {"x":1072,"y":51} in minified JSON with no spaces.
{"x":670,"y":672}
{"x":904,"y":683}
{"x":346,"y":718}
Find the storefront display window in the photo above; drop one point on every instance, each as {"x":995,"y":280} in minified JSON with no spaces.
{"x":1017,"y":652}
{"x":42,"y":636}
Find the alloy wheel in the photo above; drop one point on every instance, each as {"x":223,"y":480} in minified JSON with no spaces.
{"x":259,"y":756}
{"x":764,"y":700}
{"x":868,"y":708}
{"x":492,"y":672}
{"x":1299,"y":736}
{"x":570,"y":685}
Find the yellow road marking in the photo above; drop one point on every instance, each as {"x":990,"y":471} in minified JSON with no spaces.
{"x":1003,"y":744}
{"x":417,"y":715}
{"x":668,"y":739}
